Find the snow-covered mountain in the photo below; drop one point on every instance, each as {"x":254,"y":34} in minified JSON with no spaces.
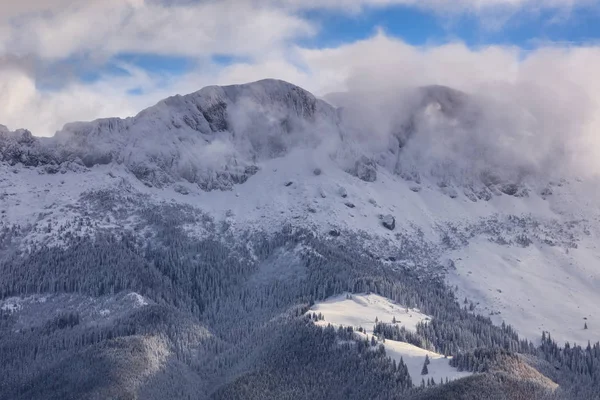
{"x":410,"y":183}
{"x":213,"y":137}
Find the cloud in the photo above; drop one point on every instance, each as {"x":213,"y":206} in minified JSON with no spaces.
{"x":59,"y":29}
{"x":45,"y":45}
{"x":190,"y":29}
{"x":23,"y":105}
{"x":537,"y":111}
{"x":11,"y":9}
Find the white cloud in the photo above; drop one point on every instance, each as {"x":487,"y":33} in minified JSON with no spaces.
{"x":195,"y":29}
{"x":546,"y":104}
{"x":12,"y":9}
{"x":35,"y":34}
{"x":23,"y":105}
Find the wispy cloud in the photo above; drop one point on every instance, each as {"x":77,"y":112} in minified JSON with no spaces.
{"x":195,"y":29}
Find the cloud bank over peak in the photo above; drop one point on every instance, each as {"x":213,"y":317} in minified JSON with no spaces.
{"x":538,"y":109}
{"x":545,"y":101}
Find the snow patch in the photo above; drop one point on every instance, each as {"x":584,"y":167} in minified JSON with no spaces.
{"x":137,"y":299}
{"x":10,"y":306}
{"x":361,"y":310}
{"x":414,"y":357}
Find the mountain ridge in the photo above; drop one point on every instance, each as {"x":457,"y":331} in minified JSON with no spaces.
{"x":215,"y":137}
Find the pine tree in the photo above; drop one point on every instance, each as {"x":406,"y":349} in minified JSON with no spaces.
{"x":424,"y":371}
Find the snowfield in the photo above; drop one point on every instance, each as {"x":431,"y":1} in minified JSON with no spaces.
{"x":538,"y":288}
{"x":361,"y":310}
{"x":439,"y":368}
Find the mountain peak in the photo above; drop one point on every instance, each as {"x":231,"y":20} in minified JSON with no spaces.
{"x":213,"y":137}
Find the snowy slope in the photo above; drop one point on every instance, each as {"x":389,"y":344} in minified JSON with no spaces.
{"x":361,"y":310}
{"x":538,"y":288}
{"x":439,"y":368}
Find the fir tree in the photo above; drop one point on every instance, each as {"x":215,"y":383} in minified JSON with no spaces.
{"x":424,"y":371}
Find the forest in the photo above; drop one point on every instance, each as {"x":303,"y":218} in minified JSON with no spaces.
{"x":225,"y":318}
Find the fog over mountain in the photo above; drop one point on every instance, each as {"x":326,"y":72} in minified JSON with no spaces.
{"x":214,"y":135}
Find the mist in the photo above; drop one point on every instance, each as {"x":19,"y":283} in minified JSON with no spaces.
{"x":498,"y":111}
{"x":494,"y":113}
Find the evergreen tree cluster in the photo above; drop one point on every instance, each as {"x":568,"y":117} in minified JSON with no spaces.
{"x":308,"y":362}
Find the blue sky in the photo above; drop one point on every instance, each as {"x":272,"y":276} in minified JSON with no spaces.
{"x":524,"y":29}
{"x":422,"y":27}
{"x":83,"y":59}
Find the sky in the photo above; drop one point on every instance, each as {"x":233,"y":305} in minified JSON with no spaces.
{"x":68,"y":60}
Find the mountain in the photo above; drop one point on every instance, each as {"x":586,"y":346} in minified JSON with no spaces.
{"x":253,"y":241}
{"x":207,"y":138}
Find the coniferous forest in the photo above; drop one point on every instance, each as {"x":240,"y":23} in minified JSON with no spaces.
{"x":157,"y":313}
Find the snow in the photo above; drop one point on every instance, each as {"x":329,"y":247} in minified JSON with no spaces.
{"x":414,"y":357}
{"x":546,"y":290}
{"x":536,"y":289}
{"x":36,"y":310}
{"x":137,"y":299}
{"x":15,"y":304}
{"x":46,"y":201}
{"x":361,"y":310}
{"x":10,"y":307}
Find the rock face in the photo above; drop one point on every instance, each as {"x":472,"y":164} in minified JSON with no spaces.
{"x":389,"y":222}
{"x":365,"y":170}
{"x":510,"y":189}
